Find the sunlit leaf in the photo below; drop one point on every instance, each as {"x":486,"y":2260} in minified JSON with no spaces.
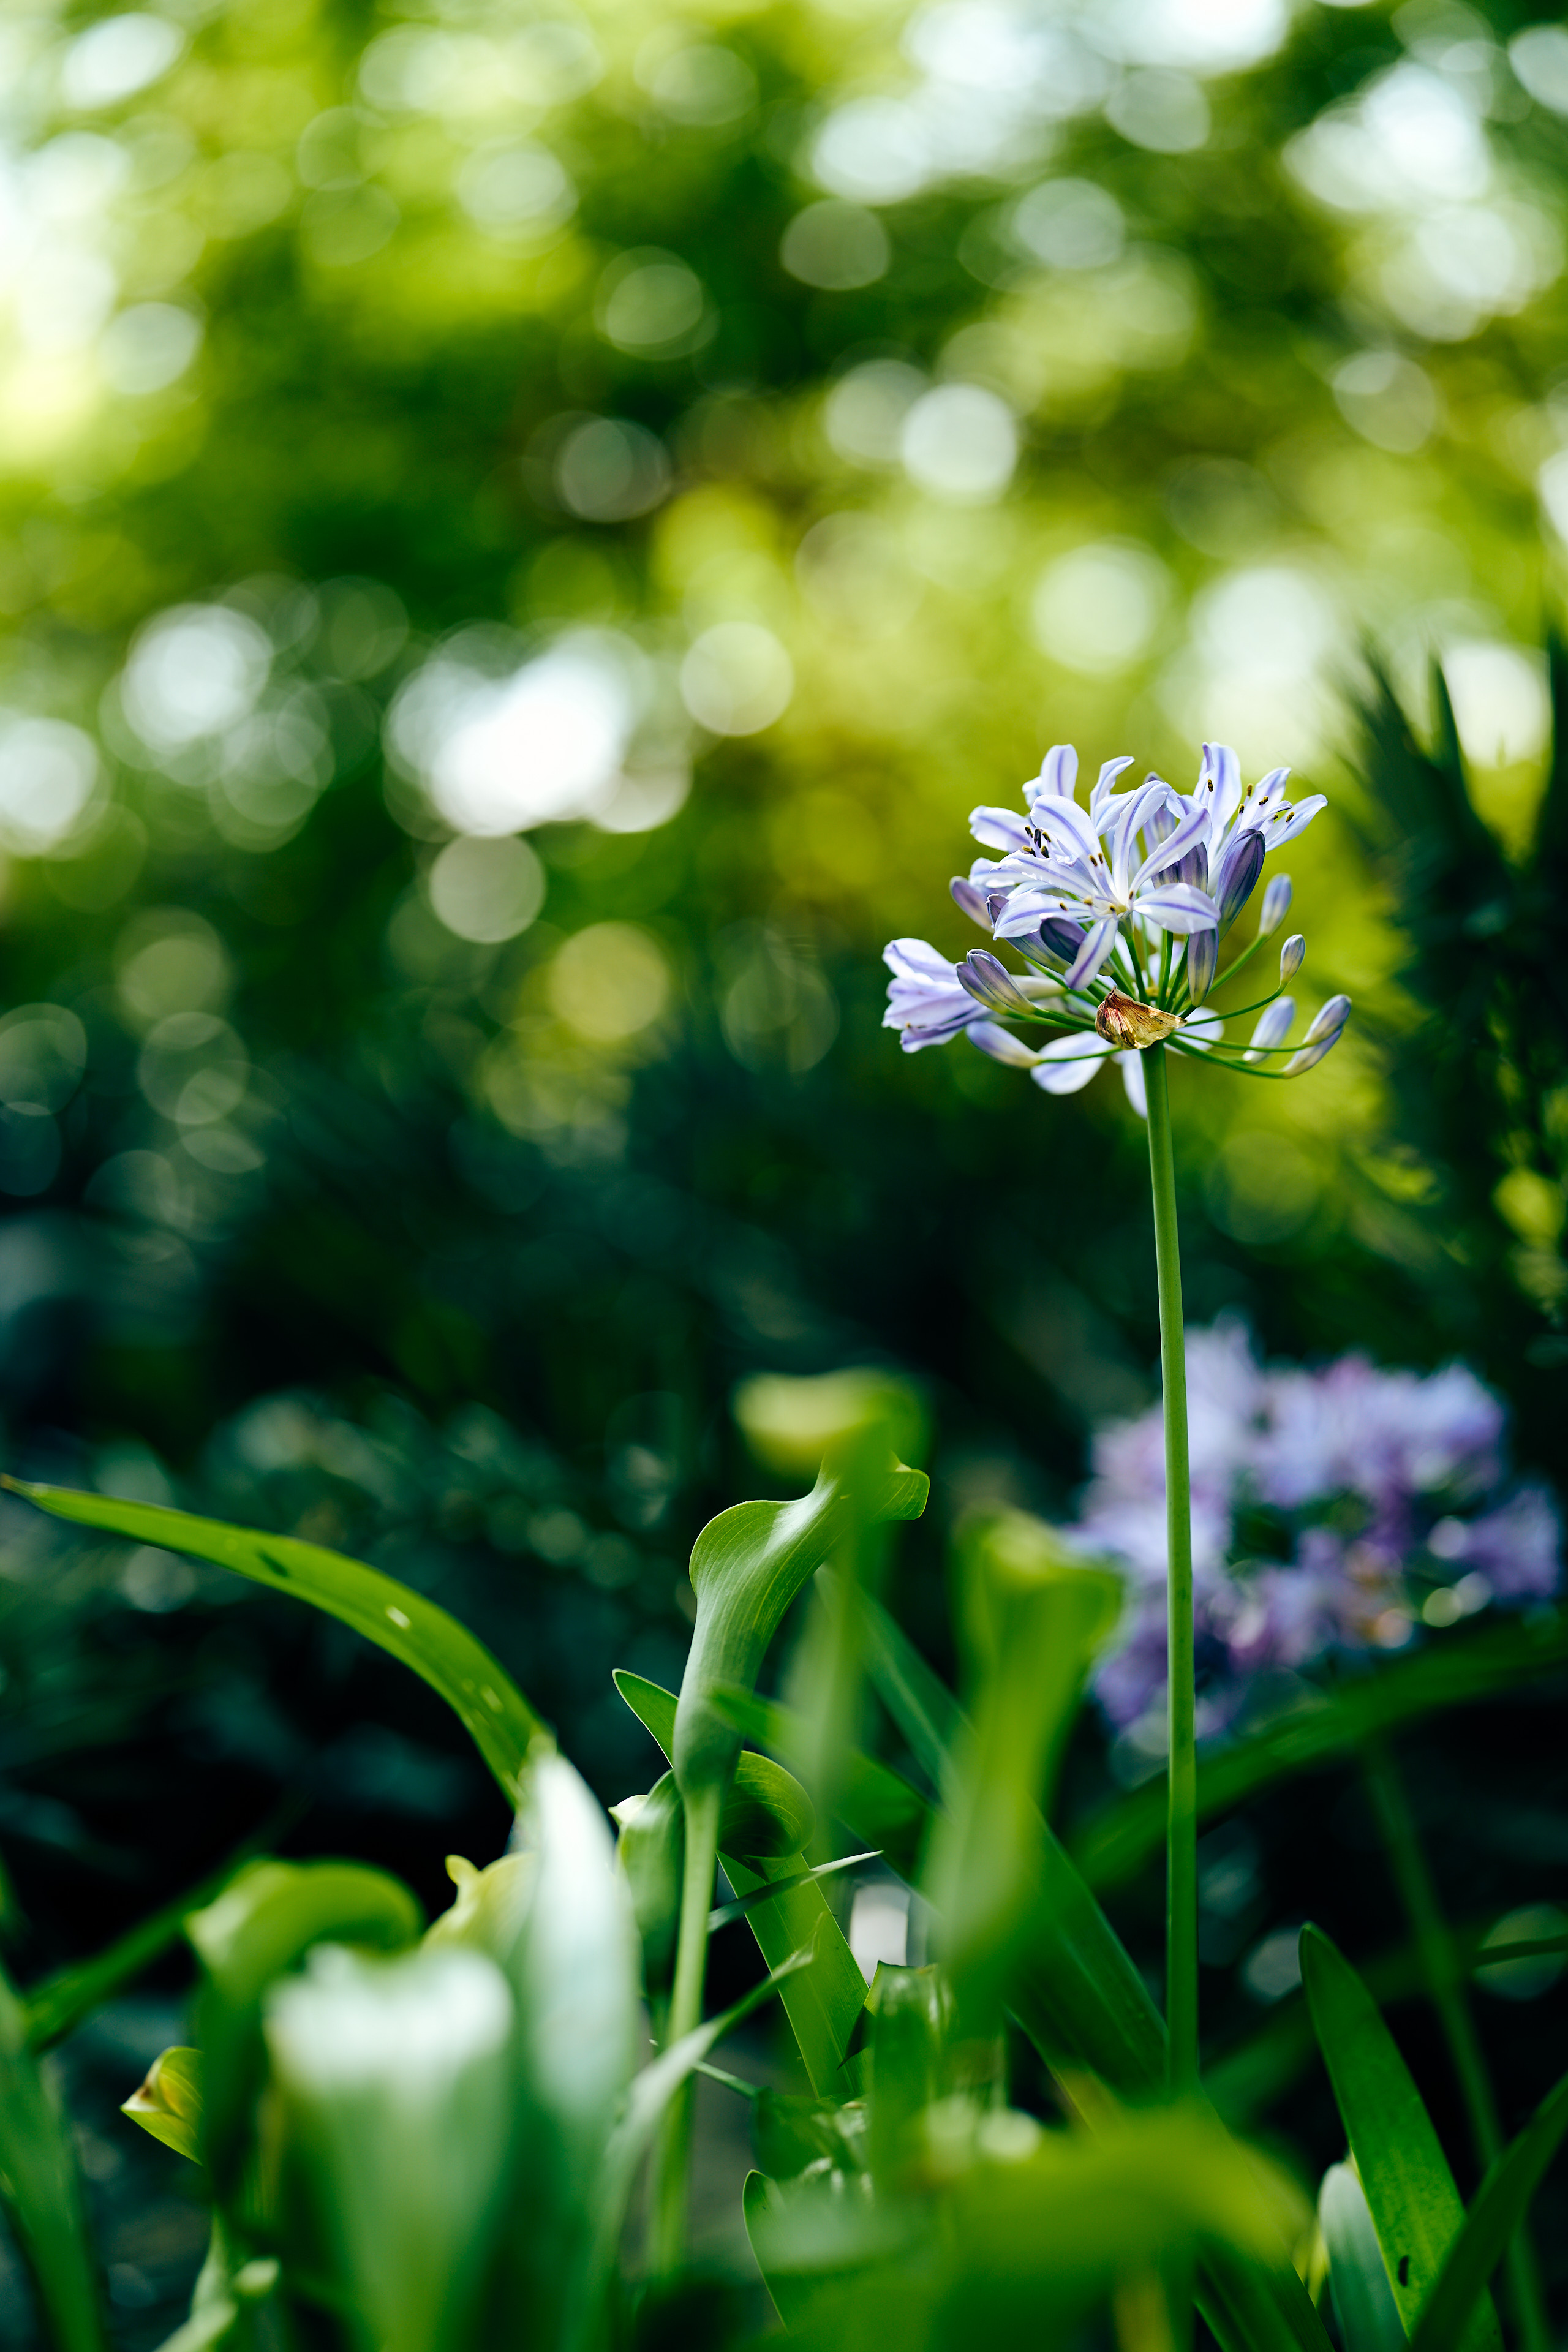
{"x":1410,"y":2190}
{"x":169,"y":2101}
{"x":410,"y":1628}
{"x":1501,"y":2205}
{"x":42,"y":2191}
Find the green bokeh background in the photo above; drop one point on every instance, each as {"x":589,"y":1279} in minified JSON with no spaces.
{"x":876,"y":395}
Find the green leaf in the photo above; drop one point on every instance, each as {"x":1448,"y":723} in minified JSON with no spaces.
{"x":766,"y":1810}
{"x":919,"y":1701}
{"x":42,"y":2191}
{"x":874,"y":1801}
{"x":822,"y":2001}
{"x":1358,"y":2279}
{"x":261,"y":1924}
{"x":651,"y":1850}
{"x":1415,"y":2205}
{"x":652,"y":2094}
{"x":1033,"y":1616}
{"x":762,"y":2208}
{"x":1074,"y":1989}
{"x":1501,"y":2205}
{"x":1459,"y":1667}
{"x":169,"y":2103}
{"x":747,"y":1566}
{"x":498,"y":1719}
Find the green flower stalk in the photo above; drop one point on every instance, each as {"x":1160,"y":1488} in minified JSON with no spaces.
{"x":1119,"y":913}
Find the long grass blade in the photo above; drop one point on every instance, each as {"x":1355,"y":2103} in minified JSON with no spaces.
{"x":43,"y":2192}
{"x":415,"y":1631}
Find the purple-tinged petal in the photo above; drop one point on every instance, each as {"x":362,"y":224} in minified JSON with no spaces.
{"x":1103,"y":782}
{"x":1203,"y":1030}
{"x":1276,"y":905}
{"x":974,"y":902}
{"x":1002,"y":1045}
{"x":1273,"y":1028}
{"x":1177,"y":907}
{"x":1057,"y":776}
{"x":1067,"y":1064}
{"x":1069,"y":828}
{"x":1188,"y":835}
{"x":1122,"y":821}
{"x":1284,"y":824}
{"x":1000,"y":828}
{"x":1203,"y":958}
{"x":1097,"y":946}
{"x":1292,"y":955}
{"x":1219,"y":786}
{"x":1134,"y":1080}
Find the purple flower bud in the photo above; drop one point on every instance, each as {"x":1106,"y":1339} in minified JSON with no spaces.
{"x":1333,"y":1015}
{"x":1276,"y":905}
{"x":1203,"y":956}
{"x":974,"y":903}
{"x":1272,"y":1029}
{"x":1321,"y":1038}
{"x":1239,"y":871}
{"x":989,"y":981}
{"x":1060,"y":937}
{"x":1002,"y":1045}
{"x":1292,"y":956}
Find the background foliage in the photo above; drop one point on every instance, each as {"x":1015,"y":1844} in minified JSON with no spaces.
{"x":749,"y":436}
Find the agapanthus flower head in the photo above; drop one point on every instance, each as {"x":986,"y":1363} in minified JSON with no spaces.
{"x":1336,"y":1510}
{"x":1119,"y":910}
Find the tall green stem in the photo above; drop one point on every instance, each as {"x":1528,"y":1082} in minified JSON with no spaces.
{"x":1445,"y":1989}
{"x":702,"y":1817}
{"x":1182,"y":1820}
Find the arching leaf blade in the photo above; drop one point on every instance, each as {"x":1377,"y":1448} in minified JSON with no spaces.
{"x":416,"y":1631}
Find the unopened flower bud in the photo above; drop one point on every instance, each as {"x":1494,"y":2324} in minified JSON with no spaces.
{"x":989,"y":981}
{"x":1333,"y":1016}
{"x":1292,"y":956}
{"x":1122,"y":1020}
{"x":1276,"y":905}
{"x":1002,"y":1045}
{"x":1203,"y":956}
{"x":1272,"y":1029}
{"x":1237,"y":876}
{"x":1321,"y":1038}
{"x":1060,"y":937}
{"x":972,"y":900}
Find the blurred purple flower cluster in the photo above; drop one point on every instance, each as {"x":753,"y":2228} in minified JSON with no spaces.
{"x":1333,"y":1510}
